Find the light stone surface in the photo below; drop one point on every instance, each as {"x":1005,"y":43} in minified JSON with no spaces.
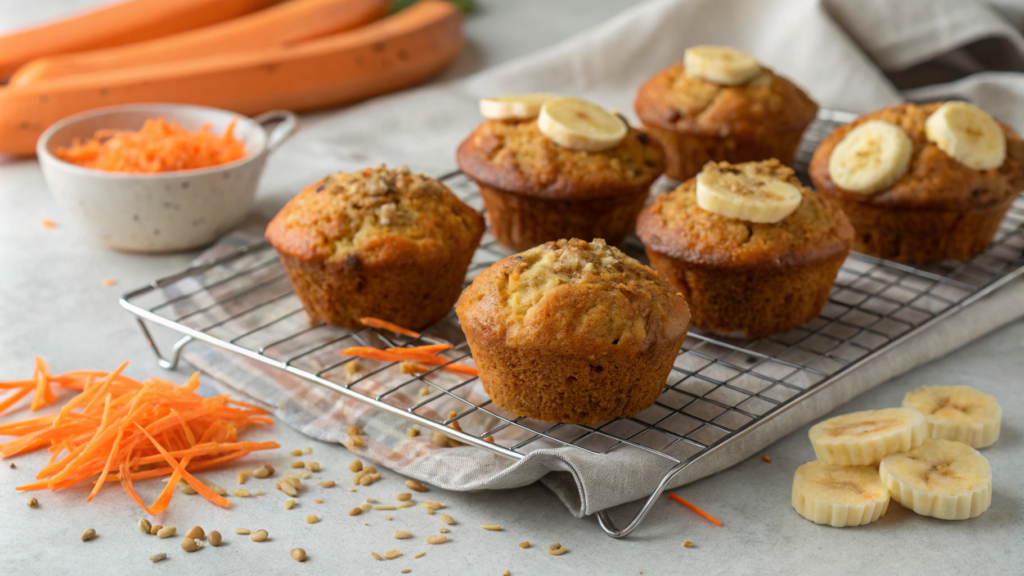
{"x":53,"y":303}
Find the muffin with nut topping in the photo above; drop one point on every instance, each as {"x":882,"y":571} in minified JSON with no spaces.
{"x":922,"y":183}
{"x":381,"y":242}
{"x":753,"y":251}
{"x":720,"y":104}
{"x":553,"y":167}
{"x":573,"y":331}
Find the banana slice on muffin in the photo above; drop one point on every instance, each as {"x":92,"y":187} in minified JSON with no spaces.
{"x":968,"y":134}
{"x":720,"y":64}
{"x":573,"y":331}
{"x":871,"y":157}
{"x":515,"y":107}
{"x":746,"y":193}
{"x":958,"y":413}
{"x":940,"y":478}
{"x":576,"y":124}
{"x":864,"y":438}
{"x":839,"y":496}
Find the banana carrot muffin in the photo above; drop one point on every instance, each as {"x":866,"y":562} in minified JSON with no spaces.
{"x":573,"y":331}
{"x":550,"y":168}
{"x":721,"y":104}
{"x":922,"y":183}
{"x":380,"y":242}
{"x":753,"y":251}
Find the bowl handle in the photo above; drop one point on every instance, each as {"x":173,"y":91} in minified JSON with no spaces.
{"x":286,"y":125}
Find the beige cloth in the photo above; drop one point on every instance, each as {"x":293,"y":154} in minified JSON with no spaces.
{"x":837,"y":51}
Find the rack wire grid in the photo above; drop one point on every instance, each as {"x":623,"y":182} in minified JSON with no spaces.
{"x":719,"y":388}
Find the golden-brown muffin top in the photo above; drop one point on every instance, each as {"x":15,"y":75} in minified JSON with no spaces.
{"x":758,"y":108}
{"x":348,"y":212}
{"x":934,"y":180}
{"x":516,"y":157}
{"x":676,"y":226}
{"x":574,"y":293}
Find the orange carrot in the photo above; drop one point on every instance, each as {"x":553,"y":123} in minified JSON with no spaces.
{"x":400,"y":354}
{"x":385,"y":325}
{"x":707,"y":516}
{"x":431,"y":349}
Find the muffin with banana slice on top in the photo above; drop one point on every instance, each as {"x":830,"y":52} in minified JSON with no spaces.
{"x":552,"y":167}
{"x":922,"y":183}
{"x":753,"y":251}
{"x":721,"y":104}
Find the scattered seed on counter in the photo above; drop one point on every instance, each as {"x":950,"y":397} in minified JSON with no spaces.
{"x":366,"y":507}
{"x":371,"y":500}
{"x":32,"y":502}
{"x":297,"y":464}
{"x":189,"y":544}
{"x":241,"y":477}
{"x":415,"y":485}
{"x":406,"y":505}
{"x":392,"y":554}
{"x":767,"y":458}
{"x":167,"y":532}
{"x":89,"y":534}
{"x":430,"y":511}
{"x":437,"y":539}
{"x":289,"y":504}
{"x":269,"y":469}
{"x":241,"y":493}
{"x":402,"y":535}
{"x":312,"y":519}
{"x":404,"y":497}
{"x":507,"y":573}
{"x":357,"y":441}
{"x":355,"y":511}
{"x":386,"y":517}
{"x":420,"y":555}
{"x":524,"y":545}
{"x":425,"y":391}
{"x":384,"y":507}
{"x":299,"y":554}
{"x":260,"y":473}
{"x":242,"y":531}
{"x":155,"y":529}
{"x":158,"y":557}
{"x":317,"y":501}
{"x":13,"y":466}
{"x":294,"y":481}
{"x":287,"y":488}
{"x":352,"y":490}
{"x":258,"y":493}
{"x":439,"y":440}
{"x":305,"y":475}
{"x":296,"y":452}
{"x":359,"y":477}
{"x":326,"y":484}
{"x":355,"y":465}
{"x":312,"y":465}
{"x":218,"y":490}
{"x":370,"y":469}
{"x":491,"y":527}
{"x":413,"y":431}
{"x":195,"y":532}
{"x":214,"y":538}
{"x":47,"y":223}
{"x":688,"y":544}
{"x":432,"y":505}
{"x":259,"y":536}
{"x":307,"y":450}
{"x":375,"y":555}
{"x":556,"y":549}
{"x":447,"y":519}
{"x":443,"y":530}
{"x":406,"y":571}
{"x":144,"y":526}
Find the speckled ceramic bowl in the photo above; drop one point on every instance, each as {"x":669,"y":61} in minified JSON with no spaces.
{"x":169,"y":211}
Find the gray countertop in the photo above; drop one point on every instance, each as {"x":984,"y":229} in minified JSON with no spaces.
{"x":53,"y":304}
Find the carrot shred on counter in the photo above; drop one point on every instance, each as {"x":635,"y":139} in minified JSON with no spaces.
{"x":160,"y":146}
{"x":385,"y":325}
{"x":424,"y":354}
{"x":707,"y":516}
{"x":119,"y":429}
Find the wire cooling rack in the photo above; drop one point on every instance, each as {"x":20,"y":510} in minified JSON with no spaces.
{"x":718,"y":390}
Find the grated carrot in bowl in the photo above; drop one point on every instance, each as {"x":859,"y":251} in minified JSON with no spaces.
{"x":160,"y":146}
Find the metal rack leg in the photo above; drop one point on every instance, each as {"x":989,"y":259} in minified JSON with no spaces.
{"x":175,"y":350}
{"x":609,"y":527}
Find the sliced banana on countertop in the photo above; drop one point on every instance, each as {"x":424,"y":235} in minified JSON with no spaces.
{"x":576,"y":124}
{"x":968,"y":135}
{"x":515,"y":107}
{"x":720,"y":64}
{"x":958,"y":413}
{"x":863,"y":438}
{"x":839,"y":495}
{"x":871,"y":157}
{"x":746,"y":192}
{"x":941,"y":479}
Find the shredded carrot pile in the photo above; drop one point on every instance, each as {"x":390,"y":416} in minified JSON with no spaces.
{"x":422,"y":354}
{"x":120,"y":430}
{"x":160,"y":146}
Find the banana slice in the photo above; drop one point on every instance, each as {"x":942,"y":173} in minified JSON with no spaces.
{"x":941,"y":479}
{"x":516,"y":107}
{"x":720,"y":64}
{"x":958,"y":413}
{"x":580,"y":125}
{"x":967,"y":134}
{"x":863,"y":438}
{"x":747,"y":191}
{"x":839,"y":495}
{"x":871,"y":157}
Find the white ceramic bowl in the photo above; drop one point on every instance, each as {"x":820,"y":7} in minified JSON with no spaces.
{"x":167,"y":211}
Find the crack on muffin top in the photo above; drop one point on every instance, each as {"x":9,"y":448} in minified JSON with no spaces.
{"x":345,"y":211}
{"x":677,"y":226}
{"x":515,"y":156}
